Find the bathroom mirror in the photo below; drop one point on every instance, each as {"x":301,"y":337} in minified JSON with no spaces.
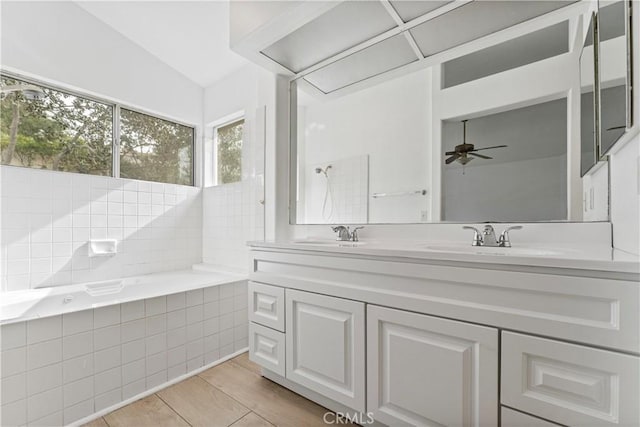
{"x":379,"y":136}
{"x":588,"y":101}
{"x":614,"y":72}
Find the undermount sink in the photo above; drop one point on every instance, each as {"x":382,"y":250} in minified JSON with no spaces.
{"x":332,"y":243}
{"x":489,"y":250}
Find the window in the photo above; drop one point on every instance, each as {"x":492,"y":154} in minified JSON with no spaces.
{"x":153,"y":149}
{"x":46,"y":128}
{"x":228,"y":151}
{"x":57,"y":131}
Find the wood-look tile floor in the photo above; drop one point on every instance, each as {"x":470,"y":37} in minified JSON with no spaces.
{"x":230,"y":394}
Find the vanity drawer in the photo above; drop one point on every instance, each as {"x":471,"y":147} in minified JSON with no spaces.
{"x":511,"y":418}
{"x":569,"y":384}
{"x":266,"y":348}
{"x":266,"y":305}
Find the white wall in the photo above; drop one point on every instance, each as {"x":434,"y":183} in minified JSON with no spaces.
{"x":535,"y":191}
{"x":61,"y":42}
{"x":47,"y":219}
{"x":386,"y":122}
{"x":625,"y":196}
{"x":232,"y":213}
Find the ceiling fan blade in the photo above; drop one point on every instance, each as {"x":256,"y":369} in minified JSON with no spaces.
{"x":489,"y":148}
{"x":449,"y":153}
{"x":451,"y":159}
{"x":481,"y":156}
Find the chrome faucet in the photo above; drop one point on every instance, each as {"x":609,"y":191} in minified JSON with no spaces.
{"x":488,"y":236}
{"x":345,"y":235}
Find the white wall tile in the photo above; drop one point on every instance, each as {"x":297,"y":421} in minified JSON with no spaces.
{"x":194,"y":314}
{"x":106,"y":359}
{"x":77,"y":391}
{"x":77,"y":368}
{"x":176,"y":370}
{"x":55,"y":419}
{"x":156,"y":324}
{"x":44,"y":353}
{"x":156,"y":344}
{"x":133,"y":330}
{"x":134,"y":371}
{"x":13,"y":361}
{"x":13,"y":388}
{"x":155,"y":306}
{"x":44,"y":329}
{"x":107,"y":381}
{"x":13,"y":335}
{"x":91,"y":207}
{"x":133,"y":350}
{"x":156,"y":363}
{"x":78,"y":411}
{"x":79,"y":321}
{"x":106,"y":316}
{"x":212,"y":293}
{"x":156,"y":379}
{"x":43,"y":404}
{"x":194,"y":297}
{"x":45,"y":378}
{"x":176,"y":319}
{"x":14,"y":414}
{"x":106,"y":337}
{"x":176,"y":301}
{"x":107,"y":399}
{"x":211,"y":326}
{"x":133,"y":389}
{"x":176,"y":337}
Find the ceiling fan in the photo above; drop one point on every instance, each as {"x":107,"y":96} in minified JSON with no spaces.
{"x":462,"y":152}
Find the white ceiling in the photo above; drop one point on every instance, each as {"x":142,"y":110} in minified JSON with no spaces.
{"x":190,"y":36}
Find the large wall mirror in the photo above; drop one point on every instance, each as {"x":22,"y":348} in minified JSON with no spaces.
{"x":486,"y":131}
{"x":614,"y":72}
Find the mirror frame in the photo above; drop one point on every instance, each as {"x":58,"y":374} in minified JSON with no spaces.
{"x":593,"y":25}
{"x":628,"y":26}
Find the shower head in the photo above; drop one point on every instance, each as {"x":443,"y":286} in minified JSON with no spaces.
{"x":30,"y":92}
{"x":323,"y":171}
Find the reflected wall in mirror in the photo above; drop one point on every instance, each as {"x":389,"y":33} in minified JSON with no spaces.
{"x":523,"y":179}
{"x":372,"y":130}
{"x":588,"y":130}
{"x":614,"y":72}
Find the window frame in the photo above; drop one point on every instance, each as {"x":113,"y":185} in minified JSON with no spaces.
{"x":225,"y":121}
{"x":116,"y":128}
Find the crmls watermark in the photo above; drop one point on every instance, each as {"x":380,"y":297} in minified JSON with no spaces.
{"x":346,"y":418}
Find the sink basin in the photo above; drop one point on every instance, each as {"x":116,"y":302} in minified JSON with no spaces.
{"x":487,"y":250}
{"x":328,"y":243}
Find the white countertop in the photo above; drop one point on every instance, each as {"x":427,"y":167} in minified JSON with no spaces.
{"x":586,"y":258}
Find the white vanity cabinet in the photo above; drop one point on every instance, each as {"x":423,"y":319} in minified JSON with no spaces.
{"x":325,"y":346}
{"x":433,"y":343}
{"x":422,"y":370}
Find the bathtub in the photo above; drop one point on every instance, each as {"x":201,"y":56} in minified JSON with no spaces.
{"x":102,"y":345}
{"x":19,"y":306}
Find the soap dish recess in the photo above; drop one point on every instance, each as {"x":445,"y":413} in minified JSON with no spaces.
{"x":104,"y":247}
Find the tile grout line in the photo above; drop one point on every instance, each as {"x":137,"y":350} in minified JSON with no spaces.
{"x":172,"y":409}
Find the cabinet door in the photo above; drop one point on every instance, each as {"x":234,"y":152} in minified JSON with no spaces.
{"x":427,"y":371}
{"x":325,"y":346}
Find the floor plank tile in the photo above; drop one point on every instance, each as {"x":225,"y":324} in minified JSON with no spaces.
{"x":98,"y":422}
{"x":201,"y":404}
{"x":243,"y":360}
{"x":272,"y":402}
{"x":150,"y":411}
{"x":252,"y":420}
